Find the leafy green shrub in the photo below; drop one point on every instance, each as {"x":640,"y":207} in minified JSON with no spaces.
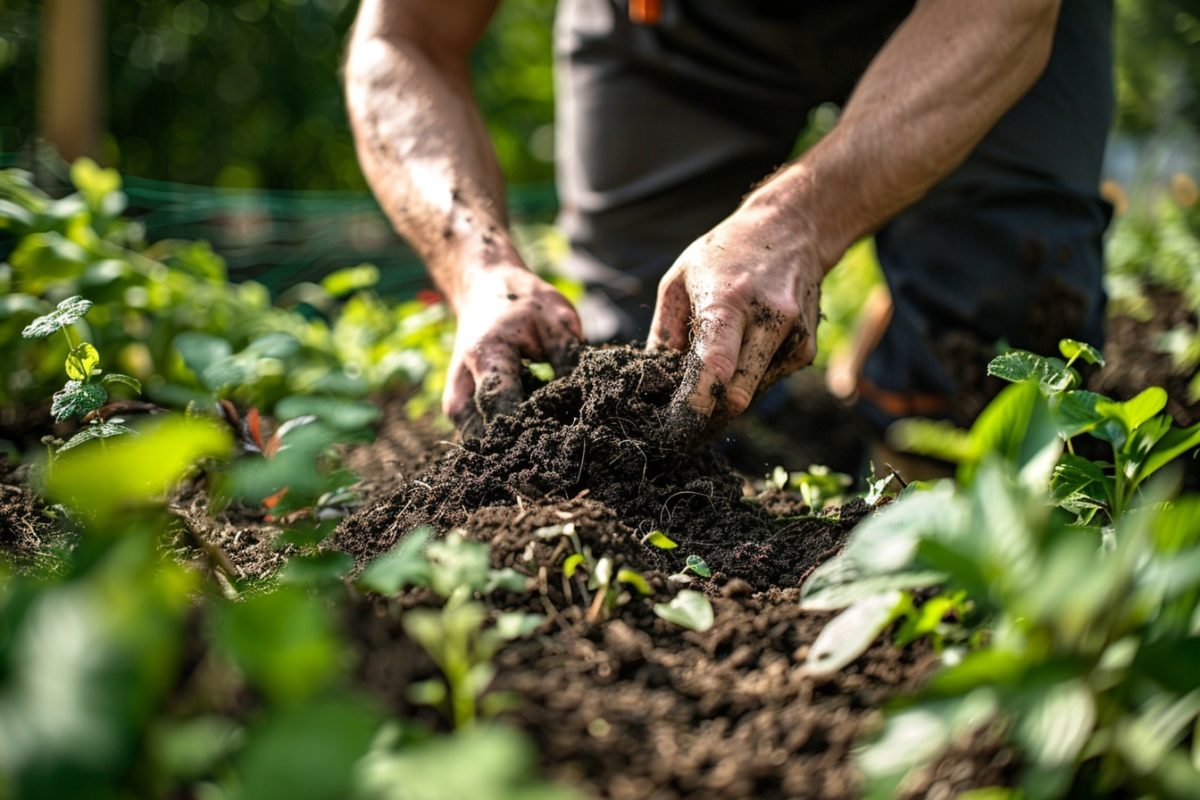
{"x":1085,"y":626}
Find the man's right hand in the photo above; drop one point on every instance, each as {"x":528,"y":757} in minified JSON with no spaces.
{"x":505,"y":313}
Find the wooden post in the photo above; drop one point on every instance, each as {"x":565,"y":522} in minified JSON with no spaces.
{"x":72,"y":81}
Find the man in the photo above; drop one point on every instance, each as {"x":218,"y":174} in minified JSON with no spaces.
{"x":970,"y":145}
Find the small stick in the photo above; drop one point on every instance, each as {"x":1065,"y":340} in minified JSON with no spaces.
{"x":215,"y":554}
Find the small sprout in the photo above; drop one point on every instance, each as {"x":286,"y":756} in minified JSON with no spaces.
{"x":779,"y":477}
{"x":572,"y":564}
{"x":660,"y":540}
{"x":602,"y":574}
{"x":697,"y":565}
{"x":634,"y":579}
{"x":680,"y":579}
{"x":69,"y":311}
{"x":688,"y":609}
{"x":877,"y":486}
{"x":541,"y":370}
{"x":1072,"y":350}
{"x":550,"y":532}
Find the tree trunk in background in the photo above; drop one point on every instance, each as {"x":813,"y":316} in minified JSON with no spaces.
{"x":72,"y":84}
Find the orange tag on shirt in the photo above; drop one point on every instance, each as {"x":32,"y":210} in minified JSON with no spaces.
{"x":645,"y":12}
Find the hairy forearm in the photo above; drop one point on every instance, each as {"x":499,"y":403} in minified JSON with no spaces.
{"x":939,"y":85}
{"x":425,"y":152}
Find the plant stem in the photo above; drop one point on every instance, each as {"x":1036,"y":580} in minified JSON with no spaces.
{"x":67,"y":333}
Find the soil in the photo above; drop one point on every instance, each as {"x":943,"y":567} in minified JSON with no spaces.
{"x":29,"y":535}
{"x":630,"y":706}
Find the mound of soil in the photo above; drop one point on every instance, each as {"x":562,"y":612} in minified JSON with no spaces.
{"x":631,"y":706}
{"x":607,"y":430}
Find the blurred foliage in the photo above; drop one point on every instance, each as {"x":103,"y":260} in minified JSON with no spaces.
{"x":166,"y":315}
{"x":247,"y":94}
{"x":1158,"y":64}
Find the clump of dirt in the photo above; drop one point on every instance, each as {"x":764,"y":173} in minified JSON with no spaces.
{"x":29,"y":538}
{"x":608,"y":430}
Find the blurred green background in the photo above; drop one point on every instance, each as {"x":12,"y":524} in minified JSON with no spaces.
{"x":227,"y":120}
{"x":245,"y":93}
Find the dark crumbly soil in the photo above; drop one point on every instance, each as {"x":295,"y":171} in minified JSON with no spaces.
{"x":29,"y":538}
{"x":632,"y":706}
{"x":604,"y":430}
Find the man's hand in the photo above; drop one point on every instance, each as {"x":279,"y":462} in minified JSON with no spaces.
{"x":505,"y":313}
{"x":744,"y":300}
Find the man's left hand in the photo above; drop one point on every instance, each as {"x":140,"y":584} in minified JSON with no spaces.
{"x":744,"y":300}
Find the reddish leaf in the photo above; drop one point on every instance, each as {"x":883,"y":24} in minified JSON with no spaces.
{"x":254,"y":426}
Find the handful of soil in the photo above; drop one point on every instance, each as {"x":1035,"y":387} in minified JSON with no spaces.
{"x":606,"y":429}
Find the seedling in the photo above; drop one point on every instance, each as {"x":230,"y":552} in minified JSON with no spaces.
{"x":84,"y":392}
{"x":695,"y":564}
{"x":817,"y":485}
{"x":455,"y":636}
{"x":688,"y":609}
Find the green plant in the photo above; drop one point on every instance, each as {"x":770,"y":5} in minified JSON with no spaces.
{"x":818,"y":485}
{"x":85,"y":390}
{"x":455,"y":636}
{"x":1074,"y":643}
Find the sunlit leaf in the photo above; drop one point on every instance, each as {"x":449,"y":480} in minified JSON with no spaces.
{"x":1017,"y":366}
{"x":68,"y":312}
{"x":660,"y":540}
{"x":688,"y":609}
{"x":350,"y":279}
{"x":96,"y":430}
{"x":76,"y":399}
{"x":124,"y":380}
{"x":283,"y":641}
{"x":1072,"y":349}
{"x":634,"y":579}
{"x":571,"y":564}
{"x":81,"y":360}
{"x":697,"y":565}
{"x":134,"y":469}
{"x":849,"y":634}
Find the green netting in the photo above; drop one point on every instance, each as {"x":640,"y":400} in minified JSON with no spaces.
{"x":281,"y":238}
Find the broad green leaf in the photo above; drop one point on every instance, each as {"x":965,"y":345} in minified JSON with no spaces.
{"x":660,"y":540}
{"x":571,"y":564}
{"x":1176,"y":526}
{"x":541,"y":370}
{"x":1079,"y":483}
{"x":1146,"y":738}
{"x":1173,"y":444}
{"x":508,"y":579}
{"x":124,"y":380}
{"x":82,"y":359}
{"x":830,"y":595}
{"x":1018,"y":366}
{"x":482,"y":763}
{"x":516,"y":625}
{"x":402,"y":566}
{"x":1075,"y":412}
{"x":306,"y":752}
{"x":697,"y":565}
{"x":327,"y":566}
{"x":1133,"y":413}
{"x":1056,"y":722}
{"x":96,"y":430}
{"x":1072,"y":349}
{"x":848,"y":635}
{"x":457,"y":562}
{"x":76,"y":399}
{"x":350,"y":279}
{"x":44,"y":259}
{"x":134,"y":469}
{"x":283,"y":641}
{"x":941,"y":440}
{"x":688,"y":609}
{"x":189,"y":749}
{"x":634,"y":579}
{"x":276,"y":344}
{"x":916,"y":736}
{"x":67,"y":313}
{"x":339,"y":413}
{"x":200,"y":351}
